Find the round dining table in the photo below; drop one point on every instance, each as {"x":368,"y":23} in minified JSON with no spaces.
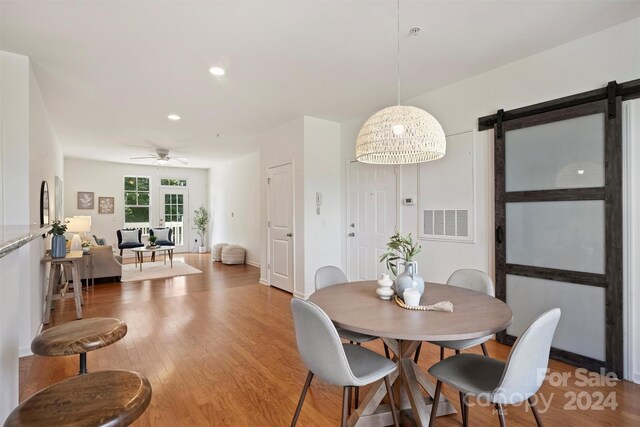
{"x":356,"y":307}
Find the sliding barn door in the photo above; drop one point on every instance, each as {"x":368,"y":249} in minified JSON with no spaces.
{"x":558,"y":228}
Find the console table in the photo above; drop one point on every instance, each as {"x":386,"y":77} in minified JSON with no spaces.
{"x":72,"y":259}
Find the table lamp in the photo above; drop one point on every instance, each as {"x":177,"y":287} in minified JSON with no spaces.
{"x":77,"y":225}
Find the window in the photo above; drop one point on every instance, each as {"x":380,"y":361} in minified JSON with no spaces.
{"x":173,"y":182}
{"x":136,"y":202}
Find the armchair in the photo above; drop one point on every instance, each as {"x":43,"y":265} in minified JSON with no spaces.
{"x":164,"y":235}
{"x":129,"y":238}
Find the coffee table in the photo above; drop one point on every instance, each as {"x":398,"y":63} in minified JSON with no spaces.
{"x":356,"y":307}
{"x":164,"y":249}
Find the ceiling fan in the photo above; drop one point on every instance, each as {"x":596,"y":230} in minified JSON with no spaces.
{"x":161,"y":157}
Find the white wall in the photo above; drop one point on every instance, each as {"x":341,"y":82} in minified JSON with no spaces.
{"x":30,"y":154}
{"x":631,"y":238}
{"x":45,"y":162}
{"x":278,"y":146}
{"x":106,"y":179}
{"x":234,"y":198}
{"x":313,"y":147}
{"x":14,"y":101}
{"x":321,"y":174}
{"x":584,"y":64}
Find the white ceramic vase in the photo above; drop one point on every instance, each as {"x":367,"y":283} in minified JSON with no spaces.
{"x":385,"y":287}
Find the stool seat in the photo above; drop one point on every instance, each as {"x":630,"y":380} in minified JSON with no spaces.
{"x":79,"y":336}
{"x":105,"y":398}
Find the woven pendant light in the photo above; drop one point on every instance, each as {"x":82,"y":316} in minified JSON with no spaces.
{"x":400,"y":134}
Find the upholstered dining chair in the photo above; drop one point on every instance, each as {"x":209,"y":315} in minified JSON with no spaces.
{"x":164,"y":235}
{"x":337,"y":363}
{"x":475,"y":280}
{"x":129,"y":238}
{"x":330,"y":275}
{"x":500,"y":383}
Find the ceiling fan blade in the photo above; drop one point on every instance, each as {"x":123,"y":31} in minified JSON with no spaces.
{"x":143,"y":157}
{"x":181,"y":160}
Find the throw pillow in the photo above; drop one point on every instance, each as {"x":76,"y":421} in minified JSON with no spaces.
{"x":100,"y":241}
{"x":129,"y":236}
{"x":161,"y":233}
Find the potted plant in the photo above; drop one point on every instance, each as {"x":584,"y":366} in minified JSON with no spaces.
{"x":402,"y":251}
{"x":58,"y":241}
{"x":152,"y":241}
{"x":86,"y":247}
{"x":200,"y":222}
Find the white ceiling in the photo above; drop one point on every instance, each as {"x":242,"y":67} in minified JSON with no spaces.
{"x":110,"y":72}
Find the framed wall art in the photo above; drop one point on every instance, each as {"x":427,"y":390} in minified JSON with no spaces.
{"x":86,"y":200}
{"x":105,"y":205}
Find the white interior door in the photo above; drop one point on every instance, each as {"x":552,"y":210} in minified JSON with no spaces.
{"x":174,"y":213}
{"x":372,"y":218}
{"x":280,"y":222}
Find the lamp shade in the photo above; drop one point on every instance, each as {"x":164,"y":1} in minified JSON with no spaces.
{"x":78,"y":224}
{"x":400,"y":135}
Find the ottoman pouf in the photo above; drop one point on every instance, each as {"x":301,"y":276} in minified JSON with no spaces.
{"x":216,"y":251}
{"x":233,"y":254}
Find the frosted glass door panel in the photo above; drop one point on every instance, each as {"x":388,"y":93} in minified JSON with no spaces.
{"x":563,"y":154}
{"x":562,"y":235}
{"x":581,"y":330}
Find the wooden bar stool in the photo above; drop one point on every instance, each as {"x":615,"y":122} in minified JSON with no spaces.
{"x":79,"y":337}
{"x":105,"y":398}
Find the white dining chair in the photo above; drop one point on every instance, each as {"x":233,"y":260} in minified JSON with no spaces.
{"x":500,"y":383}
{"x":337,"y":363}
{"x":475,"y":280}
{"x":331,"y":275}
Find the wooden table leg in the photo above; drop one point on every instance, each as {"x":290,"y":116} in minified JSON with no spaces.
{"x":77,"y":288}
{"x":414,"y":406}
{"x":141,"y":255}
{"x":53,"y":269}
{"x":171,"y":257}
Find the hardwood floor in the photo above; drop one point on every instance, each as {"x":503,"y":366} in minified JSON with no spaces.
{"x":219,"y":350}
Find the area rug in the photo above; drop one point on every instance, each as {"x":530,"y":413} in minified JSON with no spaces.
{"x":156,"y":270}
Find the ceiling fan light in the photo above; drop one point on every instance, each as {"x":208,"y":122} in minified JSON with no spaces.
{"x":162,"y":161}
{"x":400,"y":135}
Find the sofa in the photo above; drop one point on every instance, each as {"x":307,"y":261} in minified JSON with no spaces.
{"x":105,"y":264}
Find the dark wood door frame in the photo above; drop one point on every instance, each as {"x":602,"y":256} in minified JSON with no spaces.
{"x":588,"y":103}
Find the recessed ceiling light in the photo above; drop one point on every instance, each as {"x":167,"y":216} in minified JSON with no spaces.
{"x":216,"y":71}
{"x":173,"y":117}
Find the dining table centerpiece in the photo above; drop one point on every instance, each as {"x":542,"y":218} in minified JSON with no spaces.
{"x":401,"y":252}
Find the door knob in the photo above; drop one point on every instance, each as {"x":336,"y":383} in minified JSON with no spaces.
{"x":289,"y":234}
{"x":352,"y":234}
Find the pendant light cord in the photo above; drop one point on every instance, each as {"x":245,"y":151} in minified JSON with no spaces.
{"x":398,"y":53}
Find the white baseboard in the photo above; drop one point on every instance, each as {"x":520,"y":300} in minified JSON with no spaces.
{"x":253,"y":263}
{"x":300,"y":295}
{"x":26,"y":351}
{"x":263,"y":281}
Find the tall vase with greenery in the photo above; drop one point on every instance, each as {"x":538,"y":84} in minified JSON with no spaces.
{"x":402,"y":250}
{"x":58,"y":241}
{"x":200,"y":222}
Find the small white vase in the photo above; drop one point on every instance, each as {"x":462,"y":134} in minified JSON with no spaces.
{"x":385,"y":290}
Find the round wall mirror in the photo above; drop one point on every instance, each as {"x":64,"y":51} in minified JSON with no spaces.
{"x":44,"y":203}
